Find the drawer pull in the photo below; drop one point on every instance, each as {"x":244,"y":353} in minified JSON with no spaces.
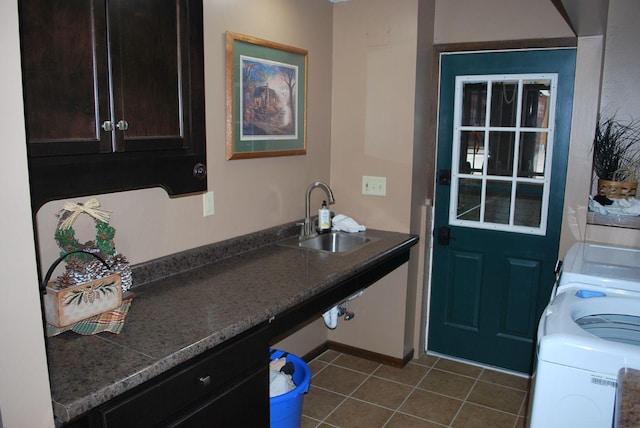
{"x":204,"y":381}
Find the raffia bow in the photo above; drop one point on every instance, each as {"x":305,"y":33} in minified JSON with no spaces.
{"x":90,"y":207}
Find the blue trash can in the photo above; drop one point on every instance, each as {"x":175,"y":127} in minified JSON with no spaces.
{"x":286,"y":409}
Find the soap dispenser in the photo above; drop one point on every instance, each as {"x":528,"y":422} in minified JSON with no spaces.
{"x":324,"y":218}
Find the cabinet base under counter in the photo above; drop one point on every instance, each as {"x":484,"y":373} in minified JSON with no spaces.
{"x":228,"y":384}
{"x":196,"y":344}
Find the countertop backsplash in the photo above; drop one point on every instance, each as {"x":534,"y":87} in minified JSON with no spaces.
{"x":163,"y":267}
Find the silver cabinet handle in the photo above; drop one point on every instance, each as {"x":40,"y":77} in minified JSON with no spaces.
{"x":122,"y":125}
{"x":107,"y":125}
{"x":204,"y":381}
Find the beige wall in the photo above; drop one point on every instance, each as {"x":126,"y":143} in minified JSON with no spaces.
{"x":585,"y":111}
{"x":249,"y":194}
{"x":24,"y":385}
{"x":620,"y":88}
{"x":463,"y":21}
{"x":362,"y":62}
{"x":360,"y":122}
{"x":620,"y":93}
{"x":374,"y":54}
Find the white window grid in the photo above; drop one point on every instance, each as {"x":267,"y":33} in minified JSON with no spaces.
{"x":518,"y":129}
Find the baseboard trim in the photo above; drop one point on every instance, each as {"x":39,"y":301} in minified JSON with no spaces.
{"x":361,"y":353}
{"x":315,"y":352}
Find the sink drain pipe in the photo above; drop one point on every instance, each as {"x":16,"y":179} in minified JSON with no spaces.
{"x":331,"y":316}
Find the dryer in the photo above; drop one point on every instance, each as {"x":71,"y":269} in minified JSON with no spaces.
{"x":589,"y":330}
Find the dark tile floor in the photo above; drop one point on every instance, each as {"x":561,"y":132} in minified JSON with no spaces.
{"x":351,"y":392}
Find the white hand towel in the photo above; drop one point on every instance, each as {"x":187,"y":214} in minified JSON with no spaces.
{"x":620,"y":207}
{"x":331,"y":317}
{"x":346,"y":224}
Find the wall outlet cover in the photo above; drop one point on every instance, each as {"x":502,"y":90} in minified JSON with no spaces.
{"x":208,"y":207}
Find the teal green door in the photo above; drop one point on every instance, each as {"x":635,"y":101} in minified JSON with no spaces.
{"x":503,"y":143}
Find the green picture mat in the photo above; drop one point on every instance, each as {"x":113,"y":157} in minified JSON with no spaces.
{"x":242,"y":48}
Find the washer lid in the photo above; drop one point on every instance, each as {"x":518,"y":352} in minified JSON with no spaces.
{"x":620,"y":328}
{"x":602,"y":265}
{"x":595,"y":333}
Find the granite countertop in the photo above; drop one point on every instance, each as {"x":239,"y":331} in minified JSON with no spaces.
{"x":190,"y":302}
{"x":628,"y":399}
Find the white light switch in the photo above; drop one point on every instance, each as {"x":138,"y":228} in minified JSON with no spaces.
{"x":207,"y":204}
{"x":376,"y":186}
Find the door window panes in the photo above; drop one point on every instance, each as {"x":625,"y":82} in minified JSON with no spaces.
{"x":469,"y":199}
{"x":504,"y":103}
{"x":535,"y":103}
{"x":528,"y":207}
{"x":532,"y":154}
{"x":474,"y":104}
{"x":471,"y":152}
{"x":502,"y":148}
{"x":498,"y":202}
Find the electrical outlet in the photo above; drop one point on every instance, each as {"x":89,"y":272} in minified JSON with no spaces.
{"x":207,"y":204}
{"x":376,"y":186}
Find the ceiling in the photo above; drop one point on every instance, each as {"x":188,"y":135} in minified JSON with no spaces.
{"x":585,"y":17}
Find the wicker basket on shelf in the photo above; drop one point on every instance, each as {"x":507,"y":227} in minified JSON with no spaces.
{"x":623,"y":186}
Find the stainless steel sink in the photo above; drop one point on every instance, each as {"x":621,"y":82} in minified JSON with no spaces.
{"x":334,"y":242}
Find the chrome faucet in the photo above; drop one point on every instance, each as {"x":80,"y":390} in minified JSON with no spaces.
{"x":307,"y":228}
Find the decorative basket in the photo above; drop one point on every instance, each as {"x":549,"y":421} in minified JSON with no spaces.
{"x":615,"y":189}
{"x":68,"y":305}
{"x":89,"y":297}
{"x":82,"y":268}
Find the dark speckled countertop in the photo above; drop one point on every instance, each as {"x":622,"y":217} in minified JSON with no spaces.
{"x":628,"y":399}
{"x":192,"y":301}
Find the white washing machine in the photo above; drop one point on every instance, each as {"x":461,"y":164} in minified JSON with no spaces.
{"x":589,"y":330}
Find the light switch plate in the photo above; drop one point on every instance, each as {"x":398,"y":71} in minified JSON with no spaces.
{"x":207,"y":204}
{"x":375,"y":186}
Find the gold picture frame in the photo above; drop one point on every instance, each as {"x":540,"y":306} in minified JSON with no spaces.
{"x":266,"y":98}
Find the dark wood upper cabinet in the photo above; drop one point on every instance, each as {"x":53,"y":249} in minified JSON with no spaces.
{"x":114,"y":96}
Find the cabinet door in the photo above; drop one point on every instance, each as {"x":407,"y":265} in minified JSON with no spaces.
{"x":65,"y":78}
{"x":150,"y":77}
{"x":219,"y":382}
{"x":114,"y":96}
{"x":245,"y":405}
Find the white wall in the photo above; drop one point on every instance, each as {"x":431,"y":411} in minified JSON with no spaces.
{"x":25,"y":400}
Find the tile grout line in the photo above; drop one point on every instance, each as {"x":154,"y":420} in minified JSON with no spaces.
{"x":523,"y":406}
{"x":413,"y":389}
{"x":466,"y":397}
{"x":346,"y":397}
{"x":394,"y":412}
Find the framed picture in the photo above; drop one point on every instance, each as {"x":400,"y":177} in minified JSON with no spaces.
{"x":266,"y":98}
